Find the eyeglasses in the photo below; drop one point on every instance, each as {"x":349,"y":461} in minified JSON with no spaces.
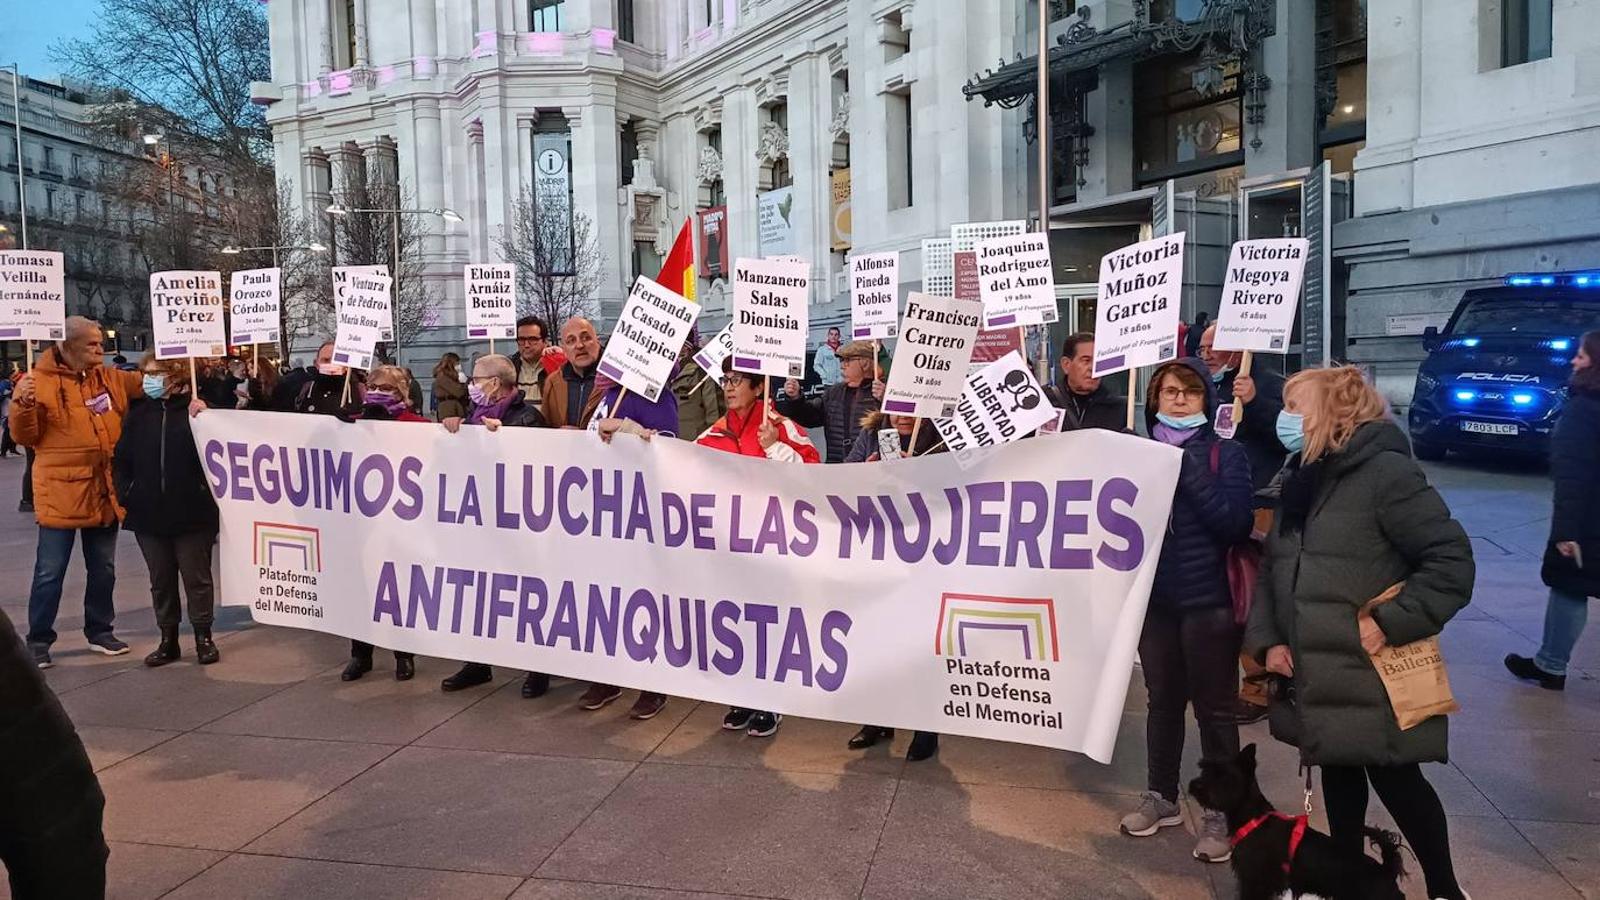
{"x":1172,"y":393}
{"x":529,"y":340}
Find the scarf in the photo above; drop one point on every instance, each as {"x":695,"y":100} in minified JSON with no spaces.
{"x":1177,"y":437}
{"x":390,"y":403}
{"x":495,"y":410}
{"x":1299,"y":490}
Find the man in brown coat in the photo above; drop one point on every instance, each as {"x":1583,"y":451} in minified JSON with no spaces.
{"x":69,"y":410}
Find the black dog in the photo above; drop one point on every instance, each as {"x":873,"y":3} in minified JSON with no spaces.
{"x":1274,"y":853}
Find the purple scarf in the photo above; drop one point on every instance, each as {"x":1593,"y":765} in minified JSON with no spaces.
{"x":495,"y":410}
{"x":1177,"y":437}
{"x":392,"y":404}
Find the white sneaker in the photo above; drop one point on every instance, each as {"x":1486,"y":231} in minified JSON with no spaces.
{"x":1155,"y":812}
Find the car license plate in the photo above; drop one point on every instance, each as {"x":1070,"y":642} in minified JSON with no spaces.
{"x":1489,"y":427}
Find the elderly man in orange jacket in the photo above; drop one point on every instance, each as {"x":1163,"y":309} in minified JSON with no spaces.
{"x":69,"y":411}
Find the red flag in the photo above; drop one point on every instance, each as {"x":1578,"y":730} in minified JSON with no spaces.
{"x":677,"y":270}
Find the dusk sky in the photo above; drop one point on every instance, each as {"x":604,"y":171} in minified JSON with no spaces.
{"x":31,"y":26}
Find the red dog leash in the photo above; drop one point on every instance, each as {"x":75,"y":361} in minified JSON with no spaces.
{"x":1295,"y":836}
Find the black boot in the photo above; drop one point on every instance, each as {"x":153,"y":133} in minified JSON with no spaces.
{"x":471,"y":675}
{"x":923,"y":745}
{"x":205,"y":651}
{"x":535,"y":684}
{"x":166,"y":651}
{"x":869,"y":735}
{"x":355,"y":668}
{"x":405,"y":667}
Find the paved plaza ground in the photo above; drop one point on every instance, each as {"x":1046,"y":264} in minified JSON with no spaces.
{"x":265,"y":776}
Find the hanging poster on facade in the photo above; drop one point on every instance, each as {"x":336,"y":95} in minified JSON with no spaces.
{"x":1261,"y":295}
{"x":937,"y":335}
{"x":362,"y":309}
{"x":1136,"y":316}
{"x":254,"y":305}
{"x":33,"y":295}
{"x":992,"y":343}
{"x":841,"y":228}
{"x":874,"y":296}
{"x":714,"y":241}
{"x":552,"y":194}
{"x":186,"y":314}
{"x":1016,"y":281}
{"x":644,"y":346}
{"x":491,"y":300}
{"x":341,"y":282}
{"x":770,"y":316}
{"x":773,"y":223}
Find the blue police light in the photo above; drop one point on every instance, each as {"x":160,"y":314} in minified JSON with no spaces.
{"x":1469,"y":342}
{"x":1586,"y":280}
{"x":1466,"y":396}
{"x":1560,"y":344}
{"x":1522,"y":399}
{"x":1520,"y":280}
{"x":1547,"y":280}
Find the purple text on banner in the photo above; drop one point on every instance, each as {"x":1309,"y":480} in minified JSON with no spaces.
{"x":341,"y":357}
{"x":169,"y":351}
{"x":1003,"y":320}
{"x":743,"y":362}
{"x":241,"y":339}
{"x":610,"y":370}
{"x":10,"y":332}
{"x":477,"y":332}
{"x":863,"y":331}
{"x":899,"y":406}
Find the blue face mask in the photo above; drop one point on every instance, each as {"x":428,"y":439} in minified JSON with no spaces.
{"x":1291,"y":431}
{"x":1219,"y":375}
{"x":155,"y":386}
{"x":1184,"y":423}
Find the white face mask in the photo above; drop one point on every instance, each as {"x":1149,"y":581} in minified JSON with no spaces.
{"x":461,"y":376}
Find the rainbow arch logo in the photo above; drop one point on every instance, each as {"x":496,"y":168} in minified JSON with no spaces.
{"x":1031,"y":620}
{"x":287,"y":546}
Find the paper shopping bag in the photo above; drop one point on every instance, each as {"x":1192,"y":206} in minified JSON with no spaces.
{"x":1413,"y":674}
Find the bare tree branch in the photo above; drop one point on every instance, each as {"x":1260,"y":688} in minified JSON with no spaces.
{"x":365,"y":239}
{"x":558,"y":270}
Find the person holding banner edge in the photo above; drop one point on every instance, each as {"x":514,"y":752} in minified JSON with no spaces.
{"x":170,"y":508}
{"x":773,"y":437}
{"x":68,"y":410}
{"x":496,"y":402}
{"x":1189,"y":647}
{"x":1357,"y":517}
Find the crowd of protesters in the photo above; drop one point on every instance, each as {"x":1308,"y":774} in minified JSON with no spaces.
{"x":1295,"y":476}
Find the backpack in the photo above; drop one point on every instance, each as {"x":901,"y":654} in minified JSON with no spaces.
{"x":1242,"y":561}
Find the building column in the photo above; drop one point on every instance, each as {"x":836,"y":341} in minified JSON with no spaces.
{"x":524,"y":179}
{"x":424,"y":38}
{"x":739,"y":172}
{"x":809,"y":115}
{"x":1394,"y":62}
{"x":1109,"y":110}
{"x":361,"y":33}
{"x":319,"y":21}
{"x":595,"y":178}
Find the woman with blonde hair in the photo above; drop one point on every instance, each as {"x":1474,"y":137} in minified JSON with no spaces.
{"x":1356,"y":516}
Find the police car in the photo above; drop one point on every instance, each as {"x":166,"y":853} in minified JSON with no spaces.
{"x":1495,"y":378}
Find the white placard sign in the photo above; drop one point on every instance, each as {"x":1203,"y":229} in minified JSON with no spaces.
{"x":491,"y":300}
{"x":1016,"y":281}
{"x":33,"y":296}
{"x":363,"y":307}
{"x":714,"y":351}
{"x":186,"y":314}
{"x":937,"y":335}
{"x":1002,"y":403}
{"x":650,"y":331}
{"x":341,"y":278}
{"x":1136,"y":316}
{"x":254,"y":305}
{"x":874,"y":296}
{"x":1261,"y":294}
{"x":770,"y":317}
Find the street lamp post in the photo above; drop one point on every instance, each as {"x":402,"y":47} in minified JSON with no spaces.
{"x":16,"y":122}
{"x":449,"y":215}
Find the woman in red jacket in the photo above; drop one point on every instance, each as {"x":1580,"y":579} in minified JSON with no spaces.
{"x":385,"y":399}
{"x":751,"y":428}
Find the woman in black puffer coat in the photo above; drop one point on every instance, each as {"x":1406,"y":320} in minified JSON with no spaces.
{"x":169,"y":506}
{"x":1572,"y":556}
{"x":1189,"y":648}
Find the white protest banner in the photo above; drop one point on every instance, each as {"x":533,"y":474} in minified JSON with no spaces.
{"x":254,"y":306}
{"x":363,"y":305}
{"x":937,"y":335}
{"x":341,"y":278}
{"x":186,"y":316}
{"x":874,"y":296}
{"x":491,"y":300}
{"x":1007,"y":606}
{"x":1136,"y":316}
{"x":770,"y":315}
{"x":1261,"y":294}
{"x":1016,"y":281}
{"x":1002,"y":403}
{"x":33,"y":295}
{"x":650,"y":330}
{"x":715,"y":351}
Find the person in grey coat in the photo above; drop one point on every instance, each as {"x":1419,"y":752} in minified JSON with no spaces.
{"x":1357,"y":516}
